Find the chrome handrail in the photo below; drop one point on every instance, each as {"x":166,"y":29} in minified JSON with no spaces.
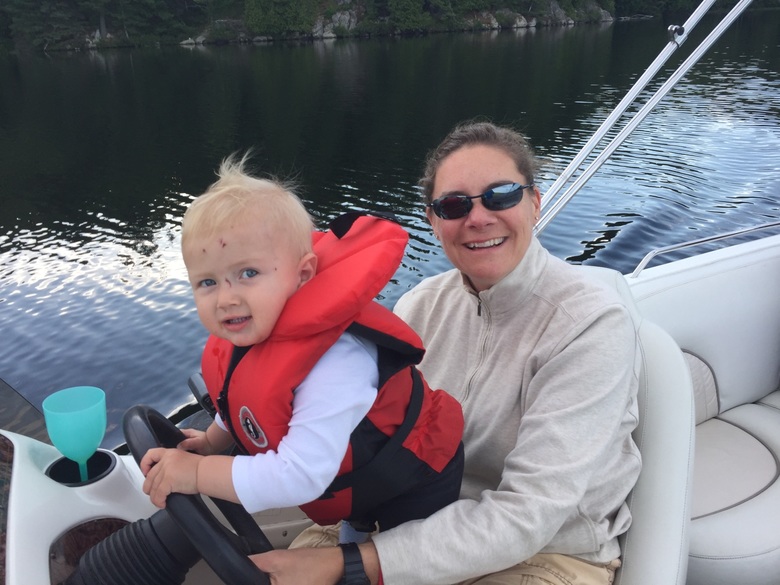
{"x":659,"y":251}
{"x":641,"y":114}
{"x":677,"y":36}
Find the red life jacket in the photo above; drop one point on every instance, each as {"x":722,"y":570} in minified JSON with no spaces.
{"x":410,"y":430}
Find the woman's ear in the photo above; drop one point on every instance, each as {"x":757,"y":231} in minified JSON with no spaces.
{"x":537,"y":200}
{"x":307,"y":268}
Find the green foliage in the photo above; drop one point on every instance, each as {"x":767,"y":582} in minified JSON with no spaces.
{"x":466,"y":6}
{"x":5,"y":31}
{"x":580,"y":9}
{"x":57,"y":24}
{"x":680,"y":7}
{"x":441,"y":10}
{"x":220,"y":33}
{"x":372,"y":28}
{"x":566,"y":5}
{"x":47,"y":23}
{"x":221,"y":9}
{"x":373,"y":10}
{"x":280,"y":17}
{"x":505,"y":19}
{"x":329,"y":9}
{"x":95,"y":12}
{"x":633,"y":7}
{"x":149,"y":18}
{"x":407,"y":15}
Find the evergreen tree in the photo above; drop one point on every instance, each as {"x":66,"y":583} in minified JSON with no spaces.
{"x":44,"y":23}
{"x":140,"y":21}
{"x":468,"y":6}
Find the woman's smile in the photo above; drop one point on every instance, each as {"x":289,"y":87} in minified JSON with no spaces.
{"x":485,"y":244}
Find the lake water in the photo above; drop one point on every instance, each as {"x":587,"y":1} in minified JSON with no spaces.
{"x":100,"y":153}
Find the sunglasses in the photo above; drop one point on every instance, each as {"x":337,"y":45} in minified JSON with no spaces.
{"x":495,"y":199}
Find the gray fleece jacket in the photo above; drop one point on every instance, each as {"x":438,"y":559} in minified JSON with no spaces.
{"x":545,"y":364}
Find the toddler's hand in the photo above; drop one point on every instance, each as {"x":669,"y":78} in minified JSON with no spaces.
{"x":167,"y":471}
{"x":196,"y":441}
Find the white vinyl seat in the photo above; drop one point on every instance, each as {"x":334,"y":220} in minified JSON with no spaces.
{"x":723,"y":309}
{"x":655,"y":548}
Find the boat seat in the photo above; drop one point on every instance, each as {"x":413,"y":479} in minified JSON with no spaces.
{"x":723,"y":309}
{"x":655,"y":548}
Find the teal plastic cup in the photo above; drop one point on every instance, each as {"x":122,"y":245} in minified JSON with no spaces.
{"x":76,"y":422}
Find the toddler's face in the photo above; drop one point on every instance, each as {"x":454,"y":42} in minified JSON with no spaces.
{"x":241,"y":278}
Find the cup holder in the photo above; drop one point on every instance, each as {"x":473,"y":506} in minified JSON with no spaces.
{"x":66,"y":472}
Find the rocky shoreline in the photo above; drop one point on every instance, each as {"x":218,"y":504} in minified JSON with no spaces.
{"x":347,"y":23}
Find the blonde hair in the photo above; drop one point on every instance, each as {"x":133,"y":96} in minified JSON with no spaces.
{"x":238,"y":198}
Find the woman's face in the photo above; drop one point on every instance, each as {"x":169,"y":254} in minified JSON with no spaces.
{"x":485,"y":245}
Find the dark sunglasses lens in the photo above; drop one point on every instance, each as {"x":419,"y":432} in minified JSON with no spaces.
{"x":503,"y":197}
{"x":453,"y":207}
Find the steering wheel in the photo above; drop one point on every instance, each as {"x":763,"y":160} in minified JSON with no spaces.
{"x":225,"y":552}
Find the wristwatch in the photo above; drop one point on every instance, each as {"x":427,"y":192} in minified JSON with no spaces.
{"x":354,"y":572}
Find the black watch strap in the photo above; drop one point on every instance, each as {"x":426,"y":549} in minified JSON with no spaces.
{"x":354,"y":572}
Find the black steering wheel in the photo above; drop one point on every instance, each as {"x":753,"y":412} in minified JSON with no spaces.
{"x":225,"y":552}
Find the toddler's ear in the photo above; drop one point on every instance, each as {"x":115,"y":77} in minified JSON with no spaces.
{"x":307,"y":268}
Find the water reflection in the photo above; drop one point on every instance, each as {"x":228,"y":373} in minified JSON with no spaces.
{"x":100,"y":153}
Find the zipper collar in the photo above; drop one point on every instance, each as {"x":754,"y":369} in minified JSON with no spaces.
{"x":516,"y":286}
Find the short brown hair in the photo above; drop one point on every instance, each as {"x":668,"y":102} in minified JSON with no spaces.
{"x":475,"y":133}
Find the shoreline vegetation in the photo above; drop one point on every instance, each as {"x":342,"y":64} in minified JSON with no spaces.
{"x":75,"y":25}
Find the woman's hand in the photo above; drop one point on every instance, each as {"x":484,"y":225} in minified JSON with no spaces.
{"x":302,"y":566}
{"x":318,"y":566}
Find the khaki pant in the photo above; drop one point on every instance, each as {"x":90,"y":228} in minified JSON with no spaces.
{"x":551,"y":569}
{"x":541,"y":569}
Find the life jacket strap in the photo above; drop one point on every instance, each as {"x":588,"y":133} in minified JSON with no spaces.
{"x":383,"y":459}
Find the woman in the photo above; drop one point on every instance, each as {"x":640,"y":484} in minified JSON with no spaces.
{"x":544,"y":363}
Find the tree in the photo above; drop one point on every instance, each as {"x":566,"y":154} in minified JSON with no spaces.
{"x":44,"y":23}
{"x":408,"y":15}
{"x":279,"y":17}
{"x":217,"y":9}
{"x":96,"y":11}
{"x":5,"y":26}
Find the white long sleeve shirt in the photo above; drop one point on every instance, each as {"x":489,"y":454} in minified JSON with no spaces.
{"x":327,"y":406}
